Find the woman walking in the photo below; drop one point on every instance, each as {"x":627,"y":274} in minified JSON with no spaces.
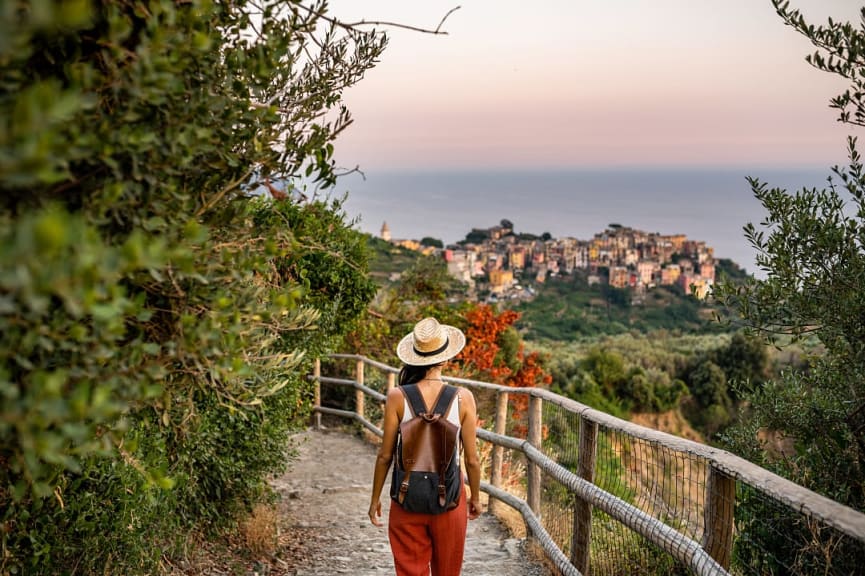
{"x":423,"y":543}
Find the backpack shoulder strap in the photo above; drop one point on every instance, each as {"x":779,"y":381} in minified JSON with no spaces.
{"x":446,"y":398}
{"x":415,"y":400}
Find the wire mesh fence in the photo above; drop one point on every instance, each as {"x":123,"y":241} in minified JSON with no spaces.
{"x":663,"y":483}
{"x":773,"y":539}
{"x":614,"y":498}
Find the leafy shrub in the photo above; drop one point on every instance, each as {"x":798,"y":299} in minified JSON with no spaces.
{"x":153,"y":319}
{"x":652,"y":390}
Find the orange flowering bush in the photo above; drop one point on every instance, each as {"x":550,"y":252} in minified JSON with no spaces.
{"x":495,"y":353}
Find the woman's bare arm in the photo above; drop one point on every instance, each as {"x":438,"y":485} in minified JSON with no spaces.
{"x":468,"y":434}
{"x":392,"y":414}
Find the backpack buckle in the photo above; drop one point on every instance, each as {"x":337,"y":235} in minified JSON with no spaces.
{"x":403,"y":489}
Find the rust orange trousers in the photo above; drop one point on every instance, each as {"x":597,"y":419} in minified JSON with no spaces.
{"x":424,"y":544}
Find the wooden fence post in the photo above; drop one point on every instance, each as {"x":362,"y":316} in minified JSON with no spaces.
{"x":498,"y":451}
{"x":358,"y":394}
{"x":536,"y":416}
{"x":389,"y":384}
{"x":718,"y":516}
{"x":581,"y":538}
{"x":316,"y":391}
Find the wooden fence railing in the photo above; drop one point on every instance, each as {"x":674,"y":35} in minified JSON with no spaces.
{"x":600,"y":494}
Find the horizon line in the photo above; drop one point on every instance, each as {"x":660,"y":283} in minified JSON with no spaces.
{"x":603,"y":168}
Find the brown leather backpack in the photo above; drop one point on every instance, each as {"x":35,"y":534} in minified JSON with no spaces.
{"x":426,"y":470}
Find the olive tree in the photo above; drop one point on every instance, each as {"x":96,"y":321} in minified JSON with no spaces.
{"x":811,"y":247}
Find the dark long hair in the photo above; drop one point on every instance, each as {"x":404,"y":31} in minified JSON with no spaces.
{"x":411,"y":374}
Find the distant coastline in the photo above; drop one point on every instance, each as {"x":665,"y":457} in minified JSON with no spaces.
{"x":709,"y":204}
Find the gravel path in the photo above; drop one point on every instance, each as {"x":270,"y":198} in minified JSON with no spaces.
{"x":326,"y":497}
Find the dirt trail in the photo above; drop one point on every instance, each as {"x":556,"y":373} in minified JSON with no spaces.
{"x":326,"y":497}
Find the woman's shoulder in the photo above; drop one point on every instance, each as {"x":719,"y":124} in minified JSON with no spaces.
{"x":465,"y":395}
{"x":394,"y":396}
{"x":394,"y":402}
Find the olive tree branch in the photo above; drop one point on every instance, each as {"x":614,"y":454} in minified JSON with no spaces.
{"x":353,"y":25}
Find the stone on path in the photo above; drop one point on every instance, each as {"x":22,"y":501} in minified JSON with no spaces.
{"x":326,"y":496}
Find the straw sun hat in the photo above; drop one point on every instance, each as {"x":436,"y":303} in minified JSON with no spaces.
{"x":430,"y":343}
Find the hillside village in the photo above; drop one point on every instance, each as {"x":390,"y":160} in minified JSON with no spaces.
{"x":498,"y":260}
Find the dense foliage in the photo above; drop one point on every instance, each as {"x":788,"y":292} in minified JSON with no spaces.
{"x":715,"y":378}
{"x":811,"y":247}
{"x":658,"y":372}
{"x":568,"y":308}
{"x":153,"y":319}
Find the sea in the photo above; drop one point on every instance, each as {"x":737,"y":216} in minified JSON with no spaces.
{"x":711,"y":205}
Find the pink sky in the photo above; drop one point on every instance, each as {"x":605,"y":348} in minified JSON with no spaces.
{"x":601,"y":83}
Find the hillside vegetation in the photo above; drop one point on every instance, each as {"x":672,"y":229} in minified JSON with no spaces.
{"x":388,"y":261}
{"x":567,"y":308}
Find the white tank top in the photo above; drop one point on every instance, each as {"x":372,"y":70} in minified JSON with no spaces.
{"x":453,"y":415}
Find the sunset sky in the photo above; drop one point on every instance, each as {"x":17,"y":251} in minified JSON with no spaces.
{"x":600,"y":83}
